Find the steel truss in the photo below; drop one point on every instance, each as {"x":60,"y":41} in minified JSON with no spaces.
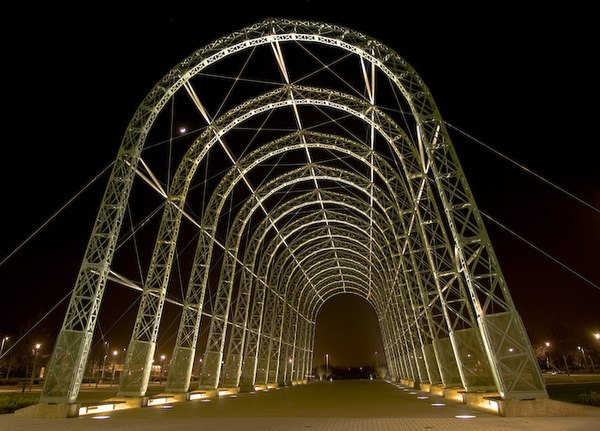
{"x":399,"y":228}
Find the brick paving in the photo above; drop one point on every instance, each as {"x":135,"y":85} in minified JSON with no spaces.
{"x":341,"y":405}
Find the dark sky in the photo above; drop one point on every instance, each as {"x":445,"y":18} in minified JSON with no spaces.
{"x":522,"y":81}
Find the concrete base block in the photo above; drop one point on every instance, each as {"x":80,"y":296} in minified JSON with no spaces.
{"x":408,"y":383}
{"x":437,"y":390}
{"x":483,"y":400}
{"x":55,"y":411}
{"x":202,"y":393}
{"x":180,"y":396}
{"x":453,"y":393}
{"x":129,"y":402}
{"x":224,"y":391}
{"x":425,"y":387}
{"x":542,"y":407}
{"x":245,"y":387}
{"x":165,"y":398}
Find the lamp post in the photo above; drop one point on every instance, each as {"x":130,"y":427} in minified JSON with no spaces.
{"x":326,"y":366}
{"x":114,"y":363}
{"x":160,"y":375}
{"x":35,"y":355}
{"x":548,"y":354}
{"x":199,"y":369}
{"x":104,"y":358}
{"x":581,"y":349}
{"x":4,"y":340}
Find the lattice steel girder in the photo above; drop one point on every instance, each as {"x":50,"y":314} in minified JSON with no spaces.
{"x":223,"y":298}
{"x":286,"y":332}
{"x":306,"y":348}
{"x":286,"y":143}
{"x":407,"y":375}
{"x":348,"y":254}
{"x":269,"y":325}
{"x":258,"y":237}
{"x":163,"y":91}
{"x":354,"y":268}
{"x":445,"y":249}
{"x":345,"y":223}
{"x":238,"y":330}
{"x":515,"y":376}
{"x":67,"y":364}
{"x":287,"y":271}
{"x":346,"y":219}
{"x":465,"y":223}
{"x":323,"y":266}
{"x":183,"y":176}
{"x":308,"y":257}
{"x":271,"y":250}
{"x":389,"y":329}
{"x":238,"y":169}
{"x":273,"y":349}
{"x":286,"y":276}
{"x":346,"y":230}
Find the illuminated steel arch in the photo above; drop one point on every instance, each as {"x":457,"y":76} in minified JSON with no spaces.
{"x":370,"y":200}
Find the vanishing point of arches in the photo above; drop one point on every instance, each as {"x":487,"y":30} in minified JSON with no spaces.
{"x":328,"y":187}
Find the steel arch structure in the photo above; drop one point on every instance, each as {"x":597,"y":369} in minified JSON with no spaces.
{"x":327,"y":170}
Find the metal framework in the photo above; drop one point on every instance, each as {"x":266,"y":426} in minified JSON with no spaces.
{"x":319,"y":165}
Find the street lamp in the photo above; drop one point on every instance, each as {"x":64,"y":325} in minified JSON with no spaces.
{"x":597,"y":336}
{"x":581,"y":349}
{"x":35,"y":355}
{"x":4,"y":340}
{"x":548,"y":354}
{"x":104,"y":358}
{"x":114,"y":363}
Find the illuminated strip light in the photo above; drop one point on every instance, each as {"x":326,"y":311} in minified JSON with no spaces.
{"x":99,"y":408}
{"x":197,"y":396}
{"x":160,"y":400}
{"x":493,"y":406}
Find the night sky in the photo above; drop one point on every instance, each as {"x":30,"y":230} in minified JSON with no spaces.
{"x":524,"y":82}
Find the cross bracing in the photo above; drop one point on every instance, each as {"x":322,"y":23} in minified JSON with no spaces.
{"x":317,"y":164}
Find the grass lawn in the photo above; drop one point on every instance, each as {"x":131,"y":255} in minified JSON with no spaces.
{"x":573,"y":392}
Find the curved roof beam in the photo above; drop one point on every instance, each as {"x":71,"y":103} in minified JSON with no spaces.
{"x":310,"y":243}
{"x":270,"y":262}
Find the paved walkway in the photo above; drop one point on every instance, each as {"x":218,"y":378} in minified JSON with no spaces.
{"x":331,"y":406}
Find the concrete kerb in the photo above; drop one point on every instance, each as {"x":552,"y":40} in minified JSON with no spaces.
{"x":493,"y":402}
{"x":487,"y":401}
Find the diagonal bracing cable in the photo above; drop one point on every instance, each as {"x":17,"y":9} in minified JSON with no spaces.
{"x":523,"y":167}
